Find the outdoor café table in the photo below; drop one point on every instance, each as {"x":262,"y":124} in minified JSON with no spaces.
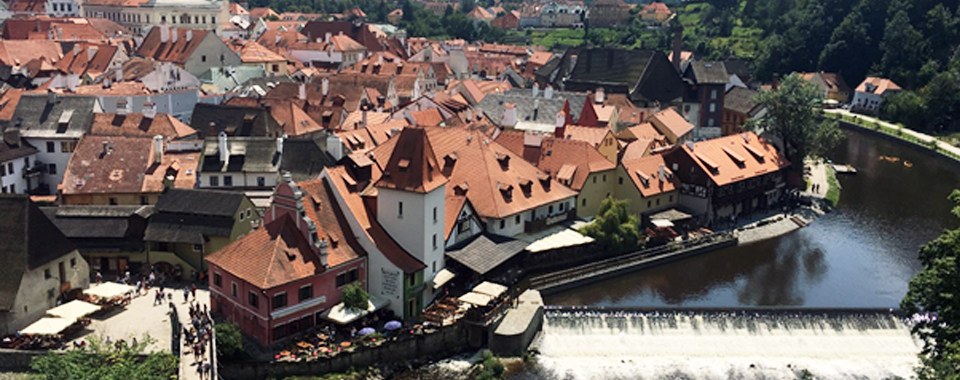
{"x":304,"y":345}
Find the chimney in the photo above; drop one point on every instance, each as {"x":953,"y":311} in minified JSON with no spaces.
{"x":775,"y":83}
{"x":468,"y":115}
{"x":363,"y":114}
{"x":107,"y":82}
{"x":149,"y":110}
{"x":280,"y":144}
{"x":327,"y":37}
{"x":51,"y":97}
{"x":335,"y":147}
{"x":164,"y":33}
{"x":535,"y":90}
{"x":561,"y":125}
{"x":119,"y":73}
{"x":536,"y":108}
{"x":91,"y":52}
{"x":325,"y":87}
{"x":509,"y":115}
{"x":76,"y":49}
{"x":548,"y":93}
{"x":277,"y":38}
{"x":599,"y":97}
{"x":174,"y":35}
{"x":189,"y":35}
{"x":322,"y":245}
{"x":677,"y":46}
{"x":302,"y":92}
{"x":532,"y":139}
{"x":399,"y":67}
{"x":222,"y":147}
{"x":106,"y":148}
{"x":381,"y":103}
{"x":122,"y":107}
{"x":158,"y":148}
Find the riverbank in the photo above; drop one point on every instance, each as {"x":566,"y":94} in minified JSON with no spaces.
{"x":896,"y":131}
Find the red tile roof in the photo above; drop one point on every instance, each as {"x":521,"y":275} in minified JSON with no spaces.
{"x":645,"y":174}
{"x":252,"y":52}
{"x":177,"y":52}
{"x":555,"y":154}
{"x":735,"y":158}
{"x":135,"y":125}
{"x":8,"y":102}
{"x":879,"y":85}
{"x":429,"y":117}
{"x":591,"y":135}
{"x":127,"y":167}
{"x":412,"y":165}
{"x":263,"y":12}
{"x":670,"y":120}
{"x":17,"y":53}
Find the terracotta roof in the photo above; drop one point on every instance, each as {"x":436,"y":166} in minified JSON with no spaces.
{"x":129,"y":166}
{"x":358,"y":33}
{"x":553,"y":155}
{"x":252,"y":52}
{"x":480,"y":13}
{"x":644,"y":130}
{"x":428,"y":117}
{"x":384,"y":131}
{"x":135,"y":125}
{"x":237,"y":9}
{"x":656,"y":7}
{"x":337,"y":177}
{"x":669,"y":119}
{"x":78,"y":60}
{"x":8,"y":102}
{"x":491,"y":172}
{"x":269,"y":38}
{"x":177,"y":52}
{"x":354,"y":119}
{"x":645,"y":174}
{"x":16,"y":53}
{"x":734,"y":158}
{"x":879,"y":86}
{"x":452,"y":207}
{"x":339,"y":43}
{"x":285,"y":25}
{"x":25,"y":6}
{"x":635,"y":149}
{"x":832,"y":81}
{"x":412,"y":165}
{"x":540,"y":57}
{"x":591,"y":135}
{"x":262,"y":12}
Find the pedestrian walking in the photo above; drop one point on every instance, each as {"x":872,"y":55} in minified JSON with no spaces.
{"x":193,"y":289}
{"x":185,"y":294}
{"x":200,"y":370}
{"x":99,"y":277}
{"x":206,"y":369}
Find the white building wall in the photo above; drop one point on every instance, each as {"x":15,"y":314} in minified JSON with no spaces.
{"x":240,"y":179}
{"x":309,"y":56}
{"x":208,"y":55}
{"x":178,"y":104}
{"x":58,"y":156}
{"x":140,"y":19}
{"x":511,"y":225}
{"x":475,"y":228}
{"x":62,"y":8}
{"x":416,"y":230}
{"x":14,"y":175}
{"x":867,"y":101}
{"x":37,"y":294}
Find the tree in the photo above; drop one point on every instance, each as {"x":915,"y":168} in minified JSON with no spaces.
{"x":903,"y":49}
{"x":354,"y":297}
{"x":107,"y":362}
{"x":229,"y":341}
{"x":792,"y":112}
{"x":615,"y":229}
{"x":934,"y":292}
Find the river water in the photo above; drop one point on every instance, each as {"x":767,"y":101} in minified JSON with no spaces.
{"x":861,"y":255}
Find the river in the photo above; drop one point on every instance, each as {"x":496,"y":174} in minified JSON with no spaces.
{"x":861,"y":255}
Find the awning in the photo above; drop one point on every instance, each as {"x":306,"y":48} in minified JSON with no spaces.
{"x":108,"y":290}
{"x":73,"y":310}
{"x":342,"y":315}
{"x":48,"y":326}
{"x":490,"y":289}
{"x":442,"y":277}
{"x":475,"y":298}
{"x":661,"y":223}
{"x":672,"y":215}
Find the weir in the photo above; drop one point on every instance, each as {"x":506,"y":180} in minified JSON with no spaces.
{"x":593,"y":343}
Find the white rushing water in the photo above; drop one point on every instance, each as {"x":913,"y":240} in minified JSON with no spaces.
{"x":590,"y":345}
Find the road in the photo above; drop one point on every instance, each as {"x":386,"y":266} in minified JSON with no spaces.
{"x":920,"y":136}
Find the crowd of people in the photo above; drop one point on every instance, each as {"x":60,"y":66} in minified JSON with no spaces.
{"x":197,"y":336}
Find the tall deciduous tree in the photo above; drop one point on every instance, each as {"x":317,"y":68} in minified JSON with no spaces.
{"x":792,"y":112}
{"x":903,"y":49}
{"x":615,"y":229}
{"x":935,"y":291}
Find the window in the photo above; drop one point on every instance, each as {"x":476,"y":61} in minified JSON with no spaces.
{"x":242,"y":216}
{"x":621,"y":180}
{"x":658,"y":201}
{"x":204,"y":19}
{"x":217,"y":279}
{"x":279,"y":301}
{"x":198,"y":247}
{"x":3,"y":190}
{"x":261,"y":182}
{"x":710,"y":121}
{"x":50,"y":293}
{"x":347,"y":277}
{"x":51,"y":147}
{"x":713,"y":95}
{"x":3,"y":170}
{"x":503,"y":223}
{"x":253,"y":300}
{"x":233,"y":289}
{"x":144,"y":200}
{"x":713,"y":107}
{"x":305,"y":293}
{"x":73,"y":262}
{"x":10,"y":168}
{"x":214,"y":181}
{"x":413,"y":280}
{"x":550,"y":209}
{"x":464,"y":226}
{"x":162,"y":19}
{"x":203,"y":58}
{"x":67,"y":146}
{"x":434,"y":266}
{"x":275,"y":67}
{"x":46,"y":274}
{"x":399,"y":209}
{"x":583,"y":202}
{"x":434,"y":214}
{"x":594,"y":179}
{"x":671,"y":198}
{"x":248,"y":213}
{"x":213,"y":20}
{"x":52,"y":168}
{"x":604,"y":178}
{"x":434,"y":241}
{"x":649,"y":204}
{"x":227,"y":180}
{"x":113,"y":201}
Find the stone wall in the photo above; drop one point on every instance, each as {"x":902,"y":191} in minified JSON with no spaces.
{"x":445,"y":342}
{"x":17,"y":360}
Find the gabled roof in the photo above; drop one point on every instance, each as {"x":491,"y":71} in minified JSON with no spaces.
{"x":646,"y":75}
{"x":879,"y":86}
{"x":336,"y":43}
{"x":485,"y":252}
{"x":125,"y":165}
{"x":525,"y":103}
{"x":339,"y":178}
{"x":706,"y":72}
{"x":555,"y":153}
{"x":13,"y":147}
{"x":269,"y":38}
{"x":645,"y":174}
{"x":481,"y":14}
{"x":93,"y":228}
{"x":294,"y":121}
{"x":202,"y":202}
{"x":357,"y":32}
{"x":305,"y":158}
{"x":252,"y":52}
{"x":16,"y":52}
{"x":656,"y":7}
{"x":234,"y":120}
{"x":30,"y":240}
{"x":8,"y":102}
{"x":262,"y":12}
{"x":412,"y":165}
{"x":52,"y":116}
{"x":670,"y":120}
{"x":170,"y":51}
{"x":734,"y":158}
{"x":135,"y":124}
{"x":830,"y":81}
{"x":741,"y":100}
{"x":246,"y":154}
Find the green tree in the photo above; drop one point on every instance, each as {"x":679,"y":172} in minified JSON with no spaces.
{"x":229,"y":341}
{"x":615,"y":229}
{"x":107,"y":362}
{"x":903,"y":49}
{"x":907,"y":108}
{"x":354,"y":297}
{"x":935,"y":291}
{"x":792,"y":112}
{"x":942,"y":99}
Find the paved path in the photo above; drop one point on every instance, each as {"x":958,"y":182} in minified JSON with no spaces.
{"x":188,"y":367}
{"x":818,"y":176}
{"x":138,"y":318}
{"x":921,"y":136}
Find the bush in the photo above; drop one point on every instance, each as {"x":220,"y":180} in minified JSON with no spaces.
{"x":492,"y":367}
{"x":354,"y":297}
{"x":229,"y":341}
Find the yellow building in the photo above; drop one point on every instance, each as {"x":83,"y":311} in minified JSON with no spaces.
{"x":648,"y":184}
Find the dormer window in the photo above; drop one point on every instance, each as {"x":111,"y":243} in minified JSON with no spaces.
{"x":403,"y":164}
{"x":506,"y":190}
{"x":644,"y":178}
{"x":504,"y":160}
{"x":526,"y":186}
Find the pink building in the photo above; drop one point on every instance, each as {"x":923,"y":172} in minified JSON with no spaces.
{"x":279,"y":279}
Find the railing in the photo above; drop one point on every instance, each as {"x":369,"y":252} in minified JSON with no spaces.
{"x":542,"y":223}
{"x":37,"y":169}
